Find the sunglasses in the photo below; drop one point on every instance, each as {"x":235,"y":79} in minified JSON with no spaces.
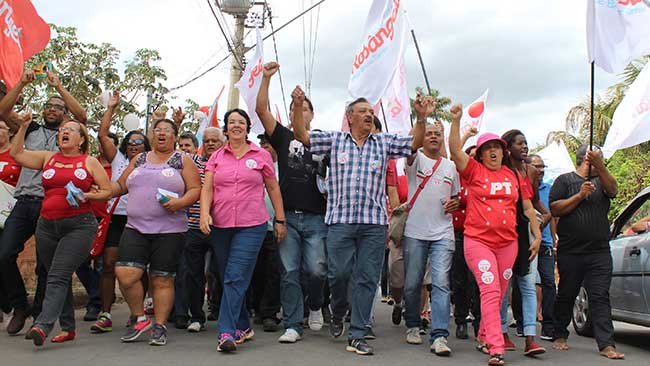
{"x":135,"y":142}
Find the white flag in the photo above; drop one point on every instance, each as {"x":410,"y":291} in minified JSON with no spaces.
{"x":249,"y":84}
{"x":557,"y":161}
{"x":397,"y":105}
{"x":618,"y":31}
{"x":381,"y":50}
{"x":474,"y":116}
{"x":631,"y":121}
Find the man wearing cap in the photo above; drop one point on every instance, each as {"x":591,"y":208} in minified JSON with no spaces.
{"x":303,"y":251}
{"x":356,"y":207}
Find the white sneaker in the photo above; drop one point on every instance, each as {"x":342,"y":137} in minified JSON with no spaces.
{"x":195,"y":327}
{"x":290,"y":336}
{"x":315,"y":319}
{"x":413,"y":336}
{"x":440,"y":347}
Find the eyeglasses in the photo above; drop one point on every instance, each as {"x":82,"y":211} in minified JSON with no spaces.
{"x":163,"y":130}
{"x":58,"y":107}
{"x":68,"y":129}
{"x":135,"y":142}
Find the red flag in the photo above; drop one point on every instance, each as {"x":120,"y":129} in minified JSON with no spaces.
{"x":23,"y":33}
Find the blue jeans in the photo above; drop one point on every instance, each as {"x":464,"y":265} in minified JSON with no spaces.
{"x":441,"y":254}
{"x":302,"y":255}
{"x":236,"y":251}
{"x":546,"y":269}
{"x":528,"y":303}
{"x":345,"y":244}
{"x":190,"y":278}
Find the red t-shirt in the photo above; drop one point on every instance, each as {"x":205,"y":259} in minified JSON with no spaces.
{"x":491,"y":204}
{"x":100,"y":208}
{"x":58,"y":171}
{"x":9,"y":169}
{"x":459,"y":215}
{"x":395,"y":180}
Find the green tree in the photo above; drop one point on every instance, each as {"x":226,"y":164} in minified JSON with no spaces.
{"x":88,"y":69}
{"x":442,"y":105}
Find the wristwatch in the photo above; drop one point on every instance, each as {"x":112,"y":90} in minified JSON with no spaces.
{"x":281,"y":222}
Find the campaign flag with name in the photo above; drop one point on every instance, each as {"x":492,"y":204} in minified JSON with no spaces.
{"x":631,"y":121}
{"x":397,"y":105}
{"x":382,"y":46}
{"x":212,"y":118}
{"x":23,"y":33}
{"x":474,"y":116}
{"x":249,"y":84}
{"x":618,"y":31}
{"x":557,"y":161}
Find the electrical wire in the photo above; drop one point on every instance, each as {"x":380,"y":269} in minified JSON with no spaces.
{"x":313,"y":55}
{"x":230,"y":49}
{"x":223,"y":32}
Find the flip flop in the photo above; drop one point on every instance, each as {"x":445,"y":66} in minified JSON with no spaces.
{"x":612,"y":354}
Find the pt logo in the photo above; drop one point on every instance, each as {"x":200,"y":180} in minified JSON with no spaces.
{"x":498,"y":186}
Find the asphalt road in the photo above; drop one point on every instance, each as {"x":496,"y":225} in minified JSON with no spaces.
{"x":316,"y":349}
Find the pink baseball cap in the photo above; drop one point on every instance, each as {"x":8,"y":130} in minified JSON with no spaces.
{"x":489,"y":136}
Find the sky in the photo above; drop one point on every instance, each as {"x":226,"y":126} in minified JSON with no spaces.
{"x":532,"y":55}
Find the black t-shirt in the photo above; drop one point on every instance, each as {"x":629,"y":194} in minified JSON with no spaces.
{"x":298,"y":170}
{"x":586,"y":229}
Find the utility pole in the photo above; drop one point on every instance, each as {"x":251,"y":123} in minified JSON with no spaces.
{"x":237,"y":60}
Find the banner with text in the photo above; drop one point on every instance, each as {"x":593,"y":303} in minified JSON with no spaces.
{"x":249,"y":84}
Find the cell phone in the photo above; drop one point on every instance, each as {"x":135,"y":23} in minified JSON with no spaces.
{"x":40,"y":72}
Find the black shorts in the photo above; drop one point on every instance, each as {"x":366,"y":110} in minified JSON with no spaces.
{"x":161,"y":252}
{"x":115,"y":229}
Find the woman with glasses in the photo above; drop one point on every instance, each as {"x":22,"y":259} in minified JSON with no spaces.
{"x":66,"y":227}
{"x":133,"y":144}
{"x":161,"y":183}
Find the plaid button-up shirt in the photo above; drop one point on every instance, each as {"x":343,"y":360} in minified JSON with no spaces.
{"x":357,"y":176}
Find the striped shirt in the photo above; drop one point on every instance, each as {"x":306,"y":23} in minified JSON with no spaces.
{"x":357,"y":180}
{"x":194,"y":212}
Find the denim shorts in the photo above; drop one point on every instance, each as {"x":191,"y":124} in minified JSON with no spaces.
{"x":161,"y":252}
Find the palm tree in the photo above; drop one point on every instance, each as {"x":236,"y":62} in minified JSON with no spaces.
{"x":576,"y":130}
{"x":442,"y":105}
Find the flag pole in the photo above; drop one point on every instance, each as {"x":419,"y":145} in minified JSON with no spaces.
{"x":591,"y":112}
{"x":381,"y":105}
{"x":424,"y":71}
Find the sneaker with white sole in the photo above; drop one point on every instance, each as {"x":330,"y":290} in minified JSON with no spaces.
{"x":413,"y":336}
{"x":290,"y":336}
{"x":315,"y":320}
{"x":440,"y":347}
{"x":195,"y":327}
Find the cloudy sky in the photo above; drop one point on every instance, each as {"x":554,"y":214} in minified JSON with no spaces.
{"x":531,"y":54}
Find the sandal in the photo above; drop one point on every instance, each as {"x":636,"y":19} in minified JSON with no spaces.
{"x":496,"y":360}
{"x":611,"y":353}
{"x":483,"y":348}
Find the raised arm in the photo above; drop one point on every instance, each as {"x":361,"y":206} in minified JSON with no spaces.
{"x":456,"y":152}
{"x":27,"y":158}
{"x":424,"y":106}
{"x":70,"y":102}
{"x":262,"y":105}
{"x":118,"y":187}
{"x":9,"y":101}
{"x":109,"y":148}
{"x":467,"y":135}
{"x":300,"y":132}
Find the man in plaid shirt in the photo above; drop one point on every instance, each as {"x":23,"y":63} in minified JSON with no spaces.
{"x":356,"y":207}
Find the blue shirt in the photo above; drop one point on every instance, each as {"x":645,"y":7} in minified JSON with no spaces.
{"x":544,"y":190}
{"x":357,"y":182}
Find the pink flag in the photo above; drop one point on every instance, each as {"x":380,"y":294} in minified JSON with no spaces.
{"x":278,"y":117}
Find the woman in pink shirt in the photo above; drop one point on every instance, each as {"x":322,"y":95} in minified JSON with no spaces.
{"x":490,"y":227}
{"x":234,"y":214}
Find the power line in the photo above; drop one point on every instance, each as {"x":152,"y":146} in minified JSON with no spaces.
{"x":226,"y":57}
{"x":230,"y":47}
{"x":275,"y":48}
